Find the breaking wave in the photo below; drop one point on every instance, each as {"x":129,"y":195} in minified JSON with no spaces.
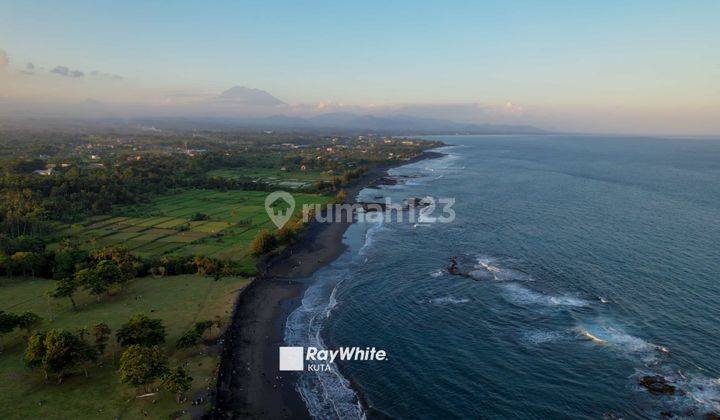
{"x":520,"y":294}
{"x":327,"y":394}
{"x":488,"y":268}
{"x":696,"y":393}
{"x":448,"y":300}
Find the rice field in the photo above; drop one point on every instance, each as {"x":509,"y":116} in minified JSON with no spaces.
{"x":284,"y":179}
{"x":166,"y":225}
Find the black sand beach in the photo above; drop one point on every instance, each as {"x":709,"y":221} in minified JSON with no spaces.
{"x":249,"y":382}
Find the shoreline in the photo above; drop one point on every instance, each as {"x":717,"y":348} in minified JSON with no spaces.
{"x":249,"y":384}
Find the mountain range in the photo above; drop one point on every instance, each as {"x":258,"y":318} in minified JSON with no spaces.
{"x":242,"y":107}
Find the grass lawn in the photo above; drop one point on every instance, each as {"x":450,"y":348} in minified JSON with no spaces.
{"x":179,"y":301}
{"x":163,"y":226}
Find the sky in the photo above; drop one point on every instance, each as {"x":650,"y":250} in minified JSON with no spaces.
{"x":618,"y":66}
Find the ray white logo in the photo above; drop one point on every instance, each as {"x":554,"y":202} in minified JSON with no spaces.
{"x":278,"y":212}
{"x":314,"y":359}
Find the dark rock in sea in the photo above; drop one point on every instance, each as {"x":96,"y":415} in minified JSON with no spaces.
{"x":387,"y":181}
{"x":412,"y":201}
{"x":454,"y":270}
{"x":712,"y":416}
{"x":657,"y":384}
{"x":418,"y":202}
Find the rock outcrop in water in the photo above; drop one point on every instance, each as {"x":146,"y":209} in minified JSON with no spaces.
{"x":455,"y":271}
{"x":452,"y":269}
{"x":657,"y":384}
{"x":386,"y":181}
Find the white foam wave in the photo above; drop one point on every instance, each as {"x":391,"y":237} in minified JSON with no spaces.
{"x":377,"y":225}
{"x":488,"y":268}
{"x":332,"y":302}
{"x":697,"y":394}
{"x":521,"y":294}
{"x":437,"y":273}
{"x":326,"y":394}
{"x":701,"y":391}
{"x":619,"y":340}
{"x":449,"y":300}
{"x":541,"y":337}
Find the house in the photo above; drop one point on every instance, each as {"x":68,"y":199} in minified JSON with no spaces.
{"x":45,"y":172}
{"x":193,"y":152}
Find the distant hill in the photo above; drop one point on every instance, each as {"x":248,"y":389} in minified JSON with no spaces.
{"x":391,"y":123}
{"x":242,"y":107}
{"x":241,"y":95}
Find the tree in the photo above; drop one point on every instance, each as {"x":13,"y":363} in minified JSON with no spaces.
{"x":35,"y":351}
{"x":57,"y":351}
{"x":93,"y":283}
{"x":141,"y":330}
{"x":101,"y":333}
{"x":8,"y":322}
{"x":67,"y":287}
{"x":140,"y":365}
{"x":197,"y":217}
{"x":109,"y":272}
{"x":27,"y":262}
{"x":289,"y":232}
{"x":6,"y":264}
{"x":177,"y":381}
{"x":340,"y":197}
{"x":67,"y":258}
{"x":263,"y":243}
{"x":28,"y":321}
{"x":205,"y":265}
{"x":194,"y":334}
{"x":129,"y":264}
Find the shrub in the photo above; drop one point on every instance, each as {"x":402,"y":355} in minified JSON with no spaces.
{"x":141,"y":330}
{"x":263,"y":243}
{"x":194,"y":334}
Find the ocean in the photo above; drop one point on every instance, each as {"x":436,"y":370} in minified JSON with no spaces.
{"x":590,"y":262}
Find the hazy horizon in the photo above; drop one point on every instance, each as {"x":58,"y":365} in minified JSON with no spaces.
{"x":611,"y":67}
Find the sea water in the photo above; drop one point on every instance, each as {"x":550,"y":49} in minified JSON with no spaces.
{"x":591,"y":261}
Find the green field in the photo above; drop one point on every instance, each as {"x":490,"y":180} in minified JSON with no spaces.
{"x":163,"y":226}
{"x":288,"y":179}
{"x":179,"y":301}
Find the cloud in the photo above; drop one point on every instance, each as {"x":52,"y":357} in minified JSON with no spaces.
{"x":102,"y":75}
{"x":512,"y":109}
{"x":64,"y":71}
